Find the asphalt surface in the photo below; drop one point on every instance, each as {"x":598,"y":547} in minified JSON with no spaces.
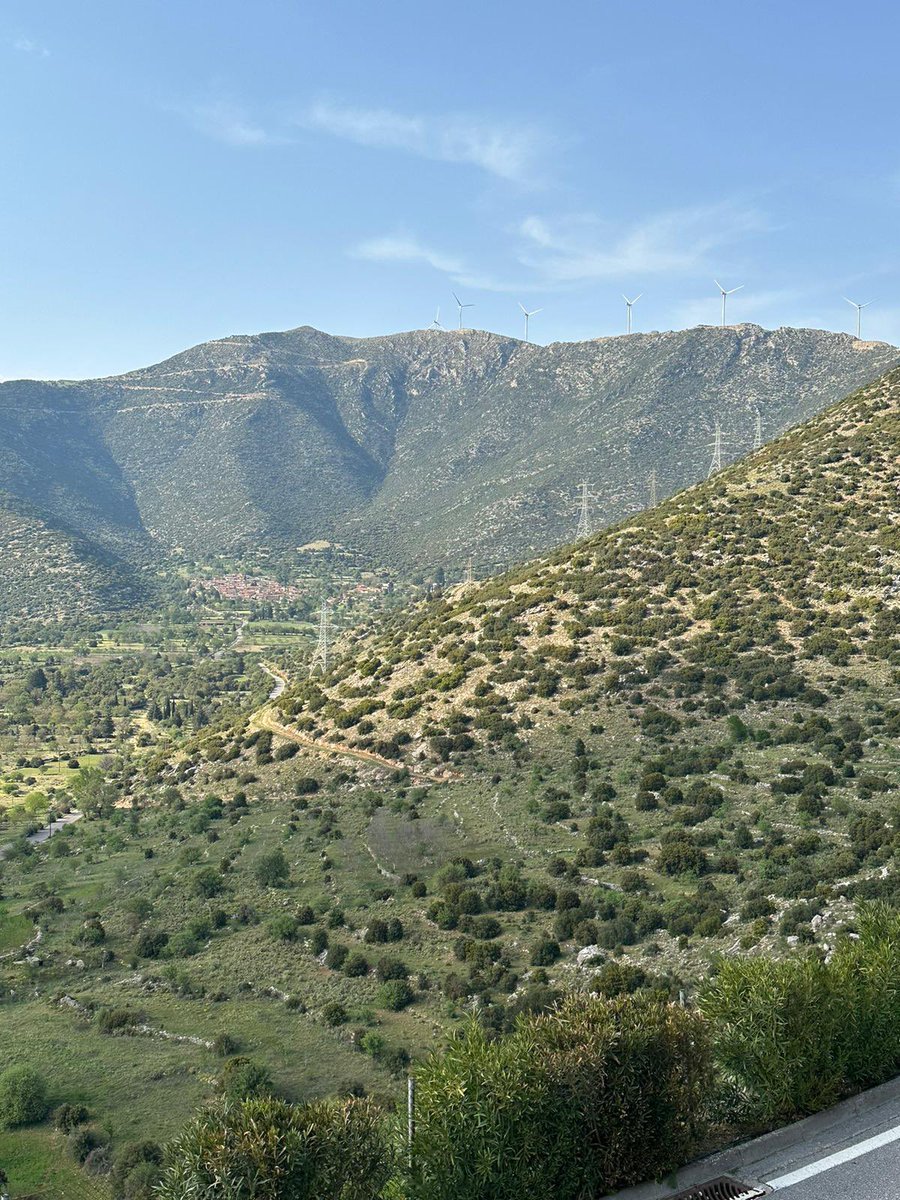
{"x":848,"y":1152}
{"x":875,"y":1175}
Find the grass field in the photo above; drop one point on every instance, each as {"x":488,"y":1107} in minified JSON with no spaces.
{"x":38,"y":1168}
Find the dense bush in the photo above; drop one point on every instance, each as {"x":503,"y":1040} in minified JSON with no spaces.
{"x":798,"y":1034}
{"x":591,"y":1097}
{"x":23,"y":1097}
{"x":242,"y":1078}
{"x":137,"y":1169}
{"x":272,"y":869}
{"x":268,"y":1149}
{"x":69,"y":1116}
{"x":394,"y":994}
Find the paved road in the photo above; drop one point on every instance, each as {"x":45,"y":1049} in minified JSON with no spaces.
{"x":54,"y":827}
{"x":874,"y":1175}
{"x":41,"y":835}
{"x":850,"y":1152}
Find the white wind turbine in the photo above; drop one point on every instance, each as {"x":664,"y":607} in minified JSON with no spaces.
{"x":726,"y":293}
{"x":859,"y":308}
{"x":461,"y":306}
{"x":436,"y":323}
{"x":528,"y":314}
{"x":628,"y":306}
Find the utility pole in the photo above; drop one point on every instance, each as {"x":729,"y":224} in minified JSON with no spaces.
{"x":716,"y":464}
{"x":320,"y":657}
{"x":652,"y":489}
{"x":757,"y":432}
{"x":410,"y":1116}
{"x":584,"y":519}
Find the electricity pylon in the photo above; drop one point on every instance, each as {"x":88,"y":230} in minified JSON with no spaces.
{"x":470,"y":572}
{"x":320,"y":657}
{"x":652,"y":488}
{"x":716,"y":464}
{"x":757,"y":432}
{"x":584,"y":515}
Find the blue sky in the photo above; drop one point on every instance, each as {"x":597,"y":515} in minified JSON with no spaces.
{"x":177,"y":171}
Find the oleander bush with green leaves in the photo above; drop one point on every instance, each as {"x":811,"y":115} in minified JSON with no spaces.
{"x":592,"y":1096}
{"x":268,"y":1149}
{"x":798,"y":1034}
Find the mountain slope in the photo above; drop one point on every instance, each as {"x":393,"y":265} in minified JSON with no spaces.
{"x":51,"y":572}
{"x":787,"y":559}
{"x":423,"y":447}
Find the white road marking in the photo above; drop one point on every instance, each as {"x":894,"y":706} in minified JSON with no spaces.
{"x":835,"y":1160}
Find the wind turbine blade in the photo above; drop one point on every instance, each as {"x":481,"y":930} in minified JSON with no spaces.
{"x":737,"y":289}
{"x":523,"y":308}
{"x":637,"y":297}
{"x":867,"y":303}
{"x":535,"y":311}
{"x":719,"y":286}
{"x":852,"y":303}
{"x":456,"y":298}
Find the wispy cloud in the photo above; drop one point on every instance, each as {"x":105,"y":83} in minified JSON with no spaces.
{"x":402,"y":248}
{"x":581,"y":249}
{"x":26,"y":45}
{"x":569,"y":251}
{"x":226,"y":122}
{"x":509,"y":150}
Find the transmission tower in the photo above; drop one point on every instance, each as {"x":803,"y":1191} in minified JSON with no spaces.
{"x":470,"y":572}
{"x":652,"y":488}
{"x":584,"y":516}
{"x":757,"y":431}
{"x":320,"y":657}
{"x":716,"y":464}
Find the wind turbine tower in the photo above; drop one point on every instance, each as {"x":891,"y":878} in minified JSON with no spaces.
{"x":321,"y":656}
{"x":461,"y":306}
{"x":726,"y":292}
{"x":436,"y":323}
{"x":584,"y":514}
{"x":716,"y":464}
{"x":628,"y":307}
{"x":859,"y":308}
{"x":757,"y":431}
{"x":528,"y":314}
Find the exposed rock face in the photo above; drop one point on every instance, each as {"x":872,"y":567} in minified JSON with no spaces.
{"x":419,"y":447}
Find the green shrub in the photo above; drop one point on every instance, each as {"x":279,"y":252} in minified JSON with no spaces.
{"x":243,"y":1079}
{"x":23,"y":1097}
{"x":395,"y":995}
{"x":272,"y":869}
{"x":111,"y":1020}
{"x":225,"y":1045}
{"x":284,"y":928}
{"x":208,"y":882}
{"x":84,"y":1140}
{"x":587,"y":1099}
{"x":264,"y":1149}
{"x":137,"y":1170}
{"x":544,"y":952}
{"x":69,"y":1116}
{"x":334,"y":1013}
{"x":797,"y":1035}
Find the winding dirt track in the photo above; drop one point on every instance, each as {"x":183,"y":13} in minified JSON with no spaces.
{"x":265,"y":718}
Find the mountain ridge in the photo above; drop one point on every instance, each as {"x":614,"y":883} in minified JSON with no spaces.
{"x":424,"y":447}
